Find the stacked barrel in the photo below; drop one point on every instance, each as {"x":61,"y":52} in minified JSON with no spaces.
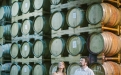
{"x":30,"y":32}
{"x":67,"y":45}
{"x":106,"y":42}
{"x":5,"y":39}
{"x":42,"y":33}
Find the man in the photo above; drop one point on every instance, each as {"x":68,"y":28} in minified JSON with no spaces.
{"x":84,"y":69}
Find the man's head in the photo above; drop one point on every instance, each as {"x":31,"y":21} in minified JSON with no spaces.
{"x":84,"y":61}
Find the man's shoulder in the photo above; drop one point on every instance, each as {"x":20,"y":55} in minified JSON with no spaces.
{"x":89,"y":69}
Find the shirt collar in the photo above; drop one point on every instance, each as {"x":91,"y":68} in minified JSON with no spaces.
{"x":84,"y":68}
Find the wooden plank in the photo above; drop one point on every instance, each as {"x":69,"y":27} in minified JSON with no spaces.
{"x":27,"y":60}
{"x":26,"y":38}
{"x":66,"y":59}
{"x":62,"y":32}
{"x":77,"y":30}
{"x":28,"y":15}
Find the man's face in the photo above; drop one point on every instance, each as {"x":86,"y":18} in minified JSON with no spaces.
{"x":82,"y":62}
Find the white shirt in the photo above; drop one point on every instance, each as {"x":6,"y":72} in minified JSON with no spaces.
{"x":85,"y":71}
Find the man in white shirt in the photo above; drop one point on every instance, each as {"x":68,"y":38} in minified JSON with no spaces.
{"x":84,"y":69}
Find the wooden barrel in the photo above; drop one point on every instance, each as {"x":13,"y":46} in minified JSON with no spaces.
{"x":15,"y":69}
{"x":105,"y":13}
{"x":57,"y":42}
{"x":5,"y":31}
{"x":39,"y":69}
{"x":26,"y":6}
{"x":26,"y":70}
{"x":41,"y":24}
{"x":16,"y":29}
{"x":5,"y":69}
{"x":40,"y":48}
{"x":15,"y":50}
{"x":5,"y":12}
{"x":26,"y":49}
{"x":4,"y":51}
{"x":72,"y":68}
{"x":27,"y":27}
{"x":16,"y":8}
{"x":2,"y":31}
{"x":95,"y":43}
{"x":106,"y":42}
{"x":98,"y":69}
{"x":76,"y":17}
{"x":45,"y":4}
{"x":107,"y":68}
{"x":53,"y":68}
{"x":57,"y":20}
{"x":3,"y":41}
{"x":76,"y":45}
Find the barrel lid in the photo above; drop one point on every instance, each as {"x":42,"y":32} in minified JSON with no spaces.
{"x":14,"y":50}
{"x":96,"y":43}
{"x":38,"y":4}
{"x":1,"y":31}
{"x":39,"y":70}
{"x":72,"y":68}
{"x":14,"y":70}
{"x":15,"y":8}
{"x":25,"y":6}
{"x":25,"y":49}
{"x":26,"y":70}
{"x":55,"y":2}
{"x":14,"y":29}
{"x":38,"y":48}
{"x":57,"y":42}
{"x":26,"y":27}
{"x":75,"y":45}
{"x":94,"y":14}
{"x":53,"y":68}
{"x":57,"y":20}
{"x":38,"y":24}
{"x":1,"y":51}
{"x":97,"y":68}
{"x":75,"y":17}
{"x":2,"y":12}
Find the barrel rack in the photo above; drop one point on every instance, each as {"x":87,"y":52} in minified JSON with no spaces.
{"x":28,"y":37}
{"x":118,"y":2}
{"x":28,"y":15}
{"x":28,"y":60}
{"x":115,"y":30}
{"x":71,"y":4}
{"x":59,"y":33}
{"x":77,"y":30}
{"x":102,"y":58}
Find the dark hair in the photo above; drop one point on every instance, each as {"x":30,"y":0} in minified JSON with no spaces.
{"x":64,"y":70}
{"x":86,"y":59}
